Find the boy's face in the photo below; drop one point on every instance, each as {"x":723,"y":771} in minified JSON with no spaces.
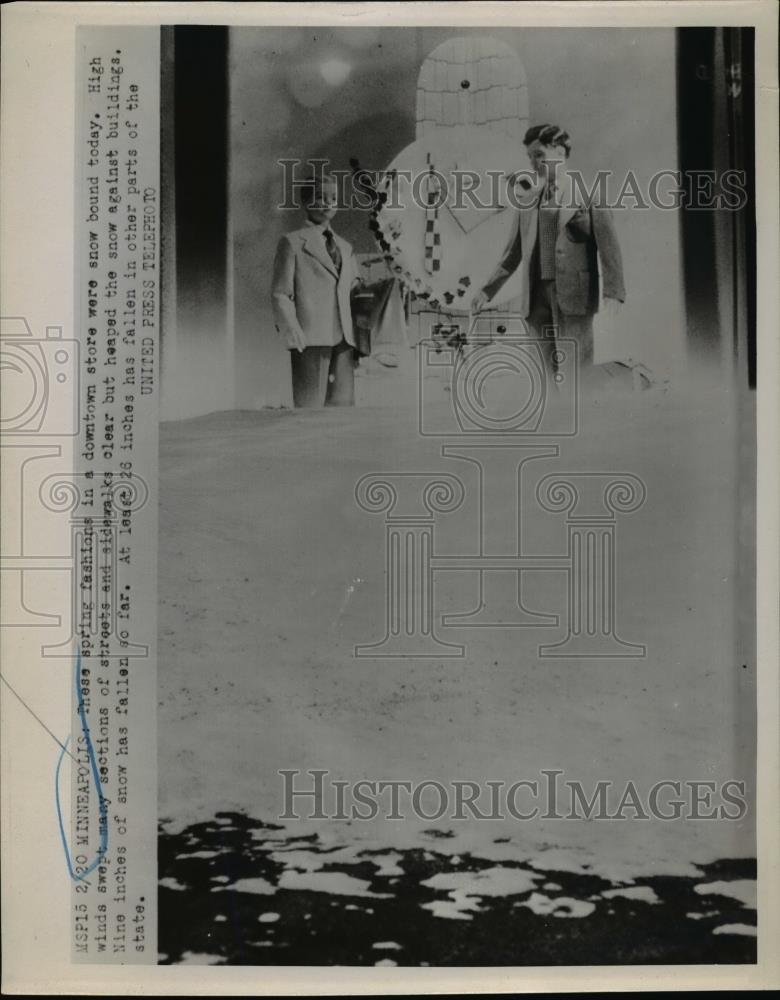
{"x":323,"y":205}
{"x":546,"y":159}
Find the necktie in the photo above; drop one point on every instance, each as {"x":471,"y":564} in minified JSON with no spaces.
{"x":333,"y":251}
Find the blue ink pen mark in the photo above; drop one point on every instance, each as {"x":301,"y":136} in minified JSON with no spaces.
{"x":102,"y":805}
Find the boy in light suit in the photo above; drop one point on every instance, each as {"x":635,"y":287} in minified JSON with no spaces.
{"x":553,"y":261}
{"x":314,"y":271}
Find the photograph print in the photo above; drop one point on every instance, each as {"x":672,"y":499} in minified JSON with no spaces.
{"x":456,"y":563}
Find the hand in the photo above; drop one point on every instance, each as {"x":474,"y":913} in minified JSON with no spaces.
{"x":612,"y":307}
{"x":296,"y":341}
{"x":479,"y":302}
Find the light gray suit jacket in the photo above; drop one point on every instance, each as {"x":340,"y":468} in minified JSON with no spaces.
{"x":309,"y":297}
{"x":586,"y":250}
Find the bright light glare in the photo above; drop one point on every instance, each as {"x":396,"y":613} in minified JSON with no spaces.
{"x":335,"y":71}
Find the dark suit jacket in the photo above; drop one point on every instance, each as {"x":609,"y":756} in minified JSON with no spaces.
{"x":587,"y":248}
{"x":586,"y":245}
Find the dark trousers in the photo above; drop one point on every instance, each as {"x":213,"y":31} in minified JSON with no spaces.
{"x":551,"y":325}
{"x":323,"y":376}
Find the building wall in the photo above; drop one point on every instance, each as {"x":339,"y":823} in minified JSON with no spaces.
{"x":350,"y":93}
{"x":197,"y":329}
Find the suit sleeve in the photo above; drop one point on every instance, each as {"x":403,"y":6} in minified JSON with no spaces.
{"x":610,"y":257}
{"x":510,"y":261}
{"x":283,"y":293}
{"x":496,"y":282}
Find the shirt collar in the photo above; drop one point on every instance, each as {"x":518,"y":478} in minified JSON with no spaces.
{"x":319,"y":226}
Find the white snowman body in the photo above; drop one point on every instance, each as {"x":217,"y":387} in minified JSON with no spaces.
{"x":451,"y":198}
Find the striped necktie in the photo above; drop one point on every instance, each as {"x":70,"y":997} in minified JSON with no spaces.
{"x":333,"y":251}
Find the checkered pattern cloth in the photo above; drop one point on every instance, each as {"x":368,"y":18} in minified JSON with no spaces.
{"x":432,"y":234}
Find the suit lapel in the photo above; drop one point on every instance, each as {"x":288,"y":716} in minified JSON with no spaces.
{"x":569,"y":204}
{"x":345,"y":250}
{"x":565,"y":215}
{"x":529,"y":221}
{"x":314,"y":245}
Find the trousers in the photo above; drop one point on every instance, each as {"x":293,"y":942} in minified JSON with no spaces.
{"x":323,"y":376}
{"x":551,"y":325}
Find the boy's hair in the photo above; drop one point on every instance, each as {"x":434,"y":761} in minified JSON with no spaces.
{"x":312,"y":187}
{"x":548,"y":135}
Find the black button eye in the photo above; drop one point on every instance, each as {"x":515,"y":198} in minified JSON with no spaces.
{"x":465,"y":84}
